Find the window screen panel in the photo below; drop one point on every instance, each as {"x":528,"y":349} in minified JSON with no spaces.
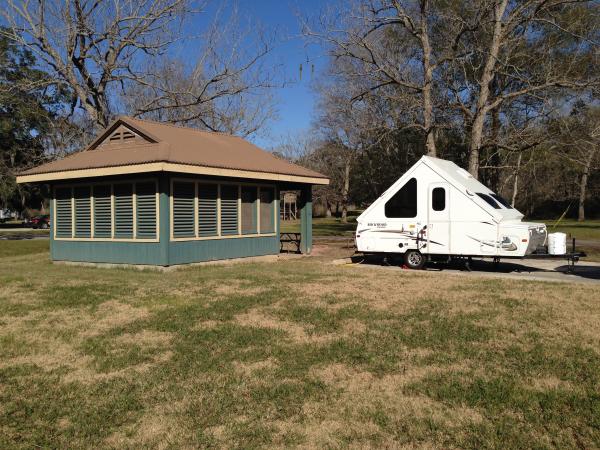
{"x":63,"y":213}
{"x":229,"y":210}
{"x":146,"y":210}
{"x":123,"y":210}
{"x":438,"y":199}
{"x":183,"y":209}
{"x":267,"y":204}
{"x":102,"y":211}
{"x":207,"y":210}
{"x":249,"y":210}
{"x":403,"y":205}
{"x":83,"y":210}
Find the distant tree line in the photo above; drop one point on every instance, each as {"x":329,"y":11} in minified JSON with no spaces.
{"x":507,"y":89}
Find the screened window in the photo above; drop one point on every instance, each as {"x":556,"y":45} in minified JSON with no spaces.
{"x":207,"y":210}
{"x":404,"y":202}
{"x":489,"y":200}
{"x":249,"y":210}
{"x":63,"y":213}
{"x":229,"y":209}
{"x":145,"y":194}
{"x":267,"y":218}
{"x":438,"y":199}
{"x":102,"y":211}
{"x":183,"y":209}
{"x":221,"y":210}
{"x":106,"y":211}
{"x":501,"y":201}
{"x":83,"y":211}
{"x":123,"y":210}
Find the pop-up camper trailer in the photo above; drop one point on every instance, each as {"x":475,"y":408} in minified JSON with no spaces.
{"x":438,"y":210}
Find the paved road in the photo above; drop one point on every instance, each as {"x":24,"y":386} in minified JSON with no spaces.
{"x":536,"y":270}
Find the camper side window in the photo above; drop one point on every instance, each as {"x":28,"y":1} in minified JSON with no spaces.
{"x":489,"y":200}
{"x":404,"y":202}
{"x":438,"y":199}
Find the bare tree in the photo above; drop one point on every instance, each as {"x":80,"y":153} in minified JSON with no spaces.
{"x":227,"y":88}
{"x":578,"y":140}
{"x":91,"y":45}
{"x":388,"y":51}
{"x":509,"y":52}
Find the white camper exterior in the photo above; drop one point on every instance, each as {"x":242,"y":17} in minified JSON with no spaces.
{"x":438,"y":208}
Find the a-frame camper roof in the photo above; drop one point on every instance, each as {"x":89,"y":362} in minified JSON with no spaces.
{"x":460,"y":179}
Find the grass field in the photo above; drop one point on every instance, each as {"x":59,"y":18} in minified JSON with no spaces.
{"x":588,"y":230}
{"x":294,"y":353}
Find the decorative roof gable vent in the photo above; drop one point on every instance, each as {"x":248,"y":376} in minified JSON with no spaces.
{"x":120,"y":135}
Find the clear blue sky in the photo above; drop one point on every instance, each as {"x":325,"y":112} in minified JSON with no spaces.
{"x":295,"y":101}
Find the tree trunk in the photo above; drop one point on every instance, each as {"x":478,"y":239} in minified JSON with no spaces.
{"x":427,"y":82}
{"x":516,"y":181}
{"x":493,"y":175}
{"x":345,"y":191}
{"x":583,"y":185}
{"x":484,"y":90}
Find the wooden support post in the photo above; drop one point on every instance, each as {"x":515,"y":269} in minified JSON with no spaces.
{"x":306,"y":219}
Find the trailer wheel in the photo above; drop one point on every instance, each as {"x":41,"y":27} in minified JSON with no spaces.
{"x":414,"y":259}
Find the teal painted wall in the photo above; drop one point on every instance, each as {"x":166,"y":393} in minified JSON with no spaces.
{"x":183,"y":252}
{"x":306,"y":219}
{"x":108,"y":252}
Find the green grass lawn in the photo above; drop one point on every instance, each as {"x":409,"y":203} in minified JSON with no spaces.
{"x":588,"y":230}
{"x":24,"y":247}
{"x":294,"y":353}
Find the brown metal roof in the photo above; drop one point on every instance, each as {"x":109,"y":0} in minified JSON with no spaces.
{"x":176,"y":145}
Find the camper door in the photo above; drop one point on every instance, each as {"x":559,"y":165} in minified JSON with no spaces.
{"x":438,"y":218}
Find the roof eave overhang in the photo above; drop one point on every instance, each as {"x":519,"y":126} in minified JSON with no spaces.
{"x":168,"y":167}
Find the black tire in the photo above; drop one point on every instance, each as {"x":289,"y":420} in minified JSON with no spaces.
{"x":414,"y":259}
{"x":44,"y":226}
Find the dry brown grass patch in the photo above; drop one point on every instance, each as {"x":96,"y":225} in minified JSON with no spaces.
{"x":250,"y":368}
{"x":146,"y":338}
{"x":297,"y":333}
